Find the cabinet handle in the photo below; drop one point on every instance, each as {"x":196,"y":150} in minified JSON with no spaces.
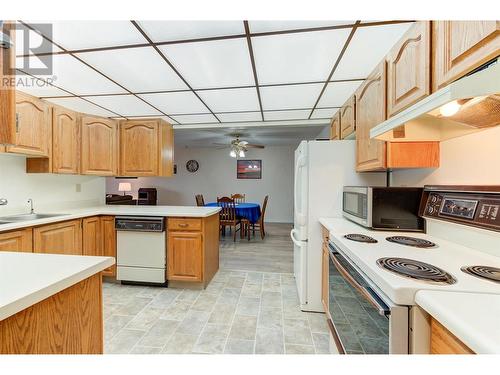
{"x":183,"y":225}
{"x":17,"y":122}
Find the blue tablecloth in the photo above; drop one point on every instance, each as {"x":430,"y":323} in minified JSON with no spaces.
{"x":249,"y":211}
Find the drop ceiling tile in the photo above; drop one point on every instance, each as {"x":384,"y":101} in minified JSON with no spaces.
{"x":367,"y":48}
{"x":39,"y":89}
{"x":278,"y":25}
{"x":287,"y":115}
{"x":72,"y":75}
{"x":227,"y":100}
{"x":195,"y":119}
{"x":125,"y":105}
{"x":300,"y":57}
{"x":289,"y":97}
{"x":239,"y":116}
{"x":80,"y":105}
{"x":214,"y":64}
{"x":324,"y":113}
{"x":176,"y":102}
{"x":337,"y":93}
{"x":35,"y":42}
{"x":164,"y":31}
{"x":94,"y":34}
{"x":137,"y":69}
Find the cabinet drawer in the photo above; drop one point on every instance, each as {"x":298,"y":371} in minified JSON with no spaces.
{"x":177,"y":223}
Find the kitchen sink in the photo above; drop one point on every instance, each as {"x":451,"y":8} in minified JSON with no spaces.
{"x":26,"y":217}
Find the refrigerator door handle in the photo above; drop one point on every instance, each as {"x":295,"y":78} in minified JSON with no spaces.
{"x":299,"y":215}
{"x":296,"y":241}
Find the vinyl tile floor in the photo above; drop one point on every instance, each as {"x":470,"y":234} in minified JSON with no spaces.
{"x":250,"y":307}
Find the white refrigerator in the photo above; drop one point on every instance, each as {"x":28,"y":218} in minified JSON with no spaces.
{"x":322,"y":169}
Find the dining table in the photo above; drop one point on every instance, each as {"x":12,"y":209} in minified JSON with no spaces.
{"x":246,"y":210}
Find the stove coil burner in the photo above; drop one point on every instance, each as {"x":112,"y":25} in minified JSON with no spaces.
{"x":411,"y":241}
{"x":483,"y":272}
{"x":360,"y":238}
{"x":417,"y":270}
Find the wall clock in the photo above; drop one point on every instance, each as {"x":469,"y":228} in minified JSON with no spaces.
{"x":192,"y":166}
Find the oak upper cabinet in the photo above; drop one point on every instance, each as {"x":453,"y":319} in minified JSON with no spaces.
{"x":461,"y":46}
{"x":335,"y":126}
{"x":371,"y":111}
{"x":59,"y":238}
{"x":65,"y":141}
{"x":108,"y":245}
{"x":91,"y":236}
{"x":347,"y":118}
{"x":7,"y":94}
{"x":33,"y":127}
{"x":146,"y":148}
{"x":408,"y":68}
{"x":99,"y":146}
{"x":17,"y":240}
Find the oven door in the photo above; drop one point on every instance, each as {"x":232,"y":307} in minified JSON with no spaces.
{"x":361,"y":321}
{"x":356,"y":201}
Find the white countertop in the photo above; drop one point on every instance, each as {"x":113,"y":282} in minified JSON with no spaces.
{"x":28,"y":278}
{"x":472,"y":317}
{"x":114,"y":210}
{"x":449,"y":256}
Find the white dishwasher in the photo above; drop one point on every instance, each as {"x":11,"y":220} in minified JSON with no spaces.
{"x":141,"y":250}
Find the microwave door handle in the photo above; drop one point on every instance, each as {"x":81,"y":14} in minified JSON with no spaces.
{"x":383,"y":310}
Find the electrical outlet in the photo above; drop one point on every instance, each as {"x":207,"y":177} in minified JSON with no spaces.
{"x":78,"y":188}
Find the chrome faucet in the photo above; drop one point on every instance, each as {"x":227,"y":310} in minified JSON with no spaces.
{"x":32,"y":210}
{"x":3,"y":202}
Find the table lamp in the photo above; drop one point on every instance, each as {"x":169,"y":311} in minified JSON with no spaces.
{"x":124,"y":186}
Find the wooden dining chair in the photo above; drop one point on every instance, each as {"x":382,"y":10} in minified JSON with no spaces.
{"x":238,"y":198}
{"x":259,"y":224}
{"x":199,"y":200}
{"x":227,"y":216}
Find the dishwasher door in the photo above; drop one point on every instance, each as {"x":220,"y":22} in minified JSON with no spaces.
{"x":141,"y":256}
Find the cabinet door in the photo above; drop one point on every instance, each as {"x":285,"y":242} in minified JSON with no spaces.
{"x":91,"y":236}
{"x":347,"y":118}
{"x":139,"y":155}
{"x":108,"y":245}
{"x":370,"y":111}
{"x":185,"y":256}
{"x":59,"y":238}
{"x":17,"y":240}
{"x":324,"y":279}
{"x":408,"y":68}
{"x":65,"y":141}
{"x":461,"y":46}
{"x":99,"y":146}
{"x":335,"y":127}
{"x":33,"y":129}
{"x":7,"y":93}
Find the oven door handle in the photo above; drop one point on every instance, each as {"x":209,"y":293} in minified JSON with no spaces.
{"x":382,"y":309}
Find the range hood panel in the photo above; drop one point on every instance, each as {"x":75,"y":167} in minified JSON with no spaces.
{"x":479,"y":96}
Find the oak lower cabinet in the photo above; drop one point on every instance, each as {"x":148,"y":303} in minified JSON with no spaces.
{"x":108,"y":244}
{"x":99,"y":146}
{"x":335,"y":127}
{"x":59,"y":238}
{"x":445,"y":342}
{"x":20,"y":240}
{"x":192,"y":249}
{"x":91,"y":236}
{"x":348,"y":118}
{"x":65,"y":141}
{"x":7,"y":93}
{"x":33,"y":127}
{"x":146,"y":148}
{"x":461,"y":46}
{"x":409,"y":68}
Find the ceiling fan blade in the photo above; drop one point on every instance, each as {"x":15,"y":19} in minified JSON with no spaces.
{"x":243,"y":143}
{"x":255,"y":146}
{"x":220,"y":144}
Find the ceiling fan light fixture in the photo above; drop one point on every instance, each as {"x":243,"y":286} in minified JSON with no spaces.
{"x":232,"y":153}
{"x":242,"y":154}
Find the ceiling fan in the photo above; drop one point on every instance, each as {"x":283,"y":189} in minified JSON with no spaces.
{"x":237,"y":146}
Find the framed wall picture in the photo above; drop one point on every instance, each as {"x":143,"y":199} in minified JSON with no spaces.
{"x":249,"y":169}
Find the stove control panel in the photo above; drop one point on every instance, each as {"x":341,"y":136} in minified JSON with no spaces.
{"x":473,"y":208}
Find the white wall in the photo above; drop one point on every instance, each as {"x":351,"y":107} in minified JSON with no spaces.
{"x":217,"y":177}
{"x":48,"y":191}
{"x":469,"y":160}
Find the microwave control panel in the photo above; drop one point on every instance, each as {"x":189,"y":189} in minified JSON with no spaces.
{"x":480,"y":210}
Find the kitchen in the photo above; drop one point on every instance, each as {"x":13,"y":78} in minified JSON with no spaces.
{"x":393,"y":166}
